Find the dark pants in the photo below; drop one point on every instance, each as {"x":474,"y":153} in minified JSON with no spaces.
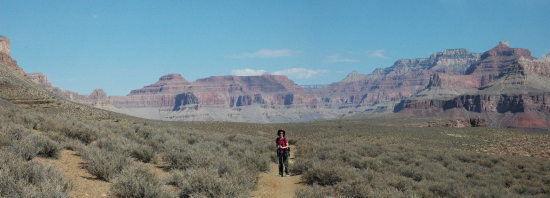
{"x":283,"y":163}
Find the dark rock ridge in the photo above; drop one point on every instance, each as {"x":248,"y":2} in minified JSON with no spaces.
{"x":184,"y":100}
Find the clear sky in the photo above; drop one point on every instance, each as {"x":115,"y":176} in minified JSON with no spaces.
{"x":124,"y":45}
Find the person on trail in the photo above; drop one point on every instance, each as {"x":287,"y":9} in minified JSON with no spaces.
{"x":283,"y":151}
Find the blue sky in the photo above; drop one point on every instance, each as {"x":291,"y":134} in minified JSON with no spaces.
{"x":125,"y":45}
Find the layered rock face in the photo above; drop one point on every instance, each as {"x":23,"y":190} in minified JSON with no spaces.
{"x":265,"y":98}
{"x":4,"y":45}
{"x":222,"y":91}
{"x":405,"y":78}
{"x":273,"y":98}
{"x":5,"y":55}
{"x":518,"y":96}
{"x":493,"y":61}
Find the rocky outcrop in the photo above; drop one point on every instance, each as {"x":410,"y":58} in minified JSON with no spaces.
{"x":492,"y":62}
{"x":171,"y":83}
{"x":5,"y":55}
{"x":42,"y":80}
{"x":184,"y":100}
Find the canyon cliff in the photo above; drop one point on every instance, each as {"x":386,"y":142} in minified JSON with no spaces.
{"x":502,"y":87}
{"x":513,"y":91}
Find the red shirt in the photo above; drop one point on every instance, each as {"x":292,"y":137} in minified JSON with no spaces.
{"x":281,"y":142}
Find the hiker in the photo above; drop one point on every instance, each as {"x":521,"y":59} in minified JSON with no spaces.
{"x":283,"y":151}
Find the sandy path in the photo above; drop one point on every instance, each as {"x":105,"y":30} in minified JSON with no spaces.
{"x":83,"y":183}
{"x":273,"y":185}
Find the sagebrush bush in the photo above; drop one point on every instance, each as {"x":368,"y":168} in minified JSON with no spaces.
{"x":115,"y":143}
{"x":313,"y":192}
{"x":20,"y":178}
{"x":10,"y":133}
{"x":34,"y":145}
{"x":46,"y":146}
{"x":138,"y":182}
{"x":328,"y":173}
{"x":80,"y":131}
{"x":143,"y":153}
{"x":103,"y":164}
{"x":191,"y":156}
{"x":207,"y":182}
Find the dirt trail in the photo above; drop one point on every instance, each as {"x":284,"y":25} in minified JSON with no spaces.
{"x":83,"y":183}
{"x":274,"y":186}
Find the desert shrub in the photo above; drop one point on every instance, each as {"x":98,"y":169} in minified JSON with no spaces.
{"x":46,"y":146}
{"x":143,"y":153}
{"x":103,"y":164}
{"x":314,"y":192}
{"x":208,"y":182}
{"x":20,"y":178}
{"x":300,"y":166}
{"x":114,"y":143}
{"x":10,"y":133}
{"x":184,"y":156}
{"x":356,"y":189}
{"x":73,"y":145}
{"x":328,"y":173}
{"x":138,"y":181}
{"x":254,"y":160}
{"x":35,"y":144}
{"x":80,"y":131}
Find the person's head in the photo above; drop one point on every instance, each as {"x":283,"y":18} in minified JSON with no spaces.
{"x":281,"y":133}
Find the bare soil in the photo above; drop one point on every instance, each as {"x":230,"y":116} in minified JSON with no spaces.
{"x":84,"y":184}
{"x":274,"y":186}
